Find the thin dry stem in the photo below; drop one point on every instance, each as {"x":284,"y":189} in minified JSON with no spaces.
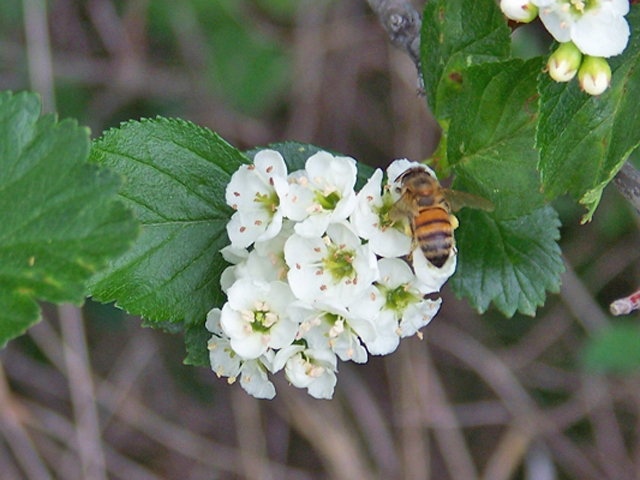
{"x":85,"y":411}
{"x":39,"y":52}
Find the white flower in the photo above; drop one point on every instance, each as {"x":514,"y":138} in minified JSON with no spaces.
{"x":225,"y":362}
{"x":255,"y":318}
{"x":522,"y":11}
{"x":597,"y":27}
{"x":266,"y":260}
{"x":370,"y":220}
{"x":252,"y":192}
{"x":321,"y":194}
{"x":398,"y":167}
{"x":431,"y":276}
{"x":335,"y":267}
{"x":333,"y":327}
{"x":254,"y":380}
{"x":404,"y":301}
{"x":386,"y":330}
{"x":310,"y":369}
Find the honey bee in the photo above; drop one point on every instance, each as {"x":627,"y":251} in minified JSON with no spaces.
{"x":428,"y":207}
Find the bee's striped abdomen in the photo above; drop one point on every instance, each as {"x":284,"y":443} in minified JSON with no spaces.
{"x":433,"y":232}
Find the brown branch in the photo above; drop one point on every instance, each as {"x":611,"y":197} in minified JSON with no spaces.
{"x":628,"y":182}
{"x":402,"y":22}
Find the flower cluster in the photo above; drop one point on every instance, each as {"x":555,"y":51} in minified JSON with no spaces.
{"x":316,"y":274}
{"x":588,"y":30}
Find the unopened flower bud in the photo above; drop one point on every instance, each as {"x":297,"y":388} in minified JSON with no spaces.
{"x":594,"y":75}
{"x":563,"y":64}
{"x":522,"y":11}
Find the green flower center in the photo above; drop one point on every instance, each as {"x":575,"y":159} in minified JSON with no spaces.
{"x":579,"y":7}
{"x":385,"y":218}
{"x":263,"y":319}
{"x":399,"y":298}
{"x":269,"y":201}
{"x":327,"y":202}
{"x":339,"y":262}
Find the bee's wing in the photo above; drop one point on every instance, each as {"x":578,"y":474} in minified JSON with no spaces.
{"x":402,"y":209}
{"x":457,"y":200}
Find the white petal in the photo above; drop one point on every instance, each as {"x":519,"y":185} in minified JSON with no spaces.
{"x":618,"y":7}
{"x":270,"y":164}
{"x":222,"y":362}
{"x":232,"y":323}
{"x":243,"y":231}
{"x":387,"y":338}
{"x":295,"y":372}
{"x":295,"y":205}
{"x":300,"y":251}
{"x":418,"y":315}
{"x":397,"y":167}
{"x":338,"y":171}
{"x":363,"y":218}
{"x":283,"y":333}
{"x":228,"y":278}
{"x":255,"y":382}
{"x":543,"y":3}
{"x":213,"y":321}
{"x":243,"y":294}
{"x":391,"y":243}
{"x":395,"y":272}
{"x":279,"y":297}
{"x":245,"y":183}
{"x":322,"y":387}
{"x":234,"y":255}
{"x":249,"y":347}
{"x":284,"y":355}
{"x":601,"y":34}
{"x":556,"y":22}
{"x":274,"y":224}
{"x":314,"y":225}
{"x":344,"y":207}
{"x":432,"y":277}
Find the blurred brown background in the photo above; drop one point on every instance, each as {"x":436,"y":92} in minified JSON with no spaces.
{"x":481,"y":397}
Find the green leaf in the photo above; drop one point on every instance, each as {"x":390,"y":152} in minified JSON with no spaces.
{"x":176,"y":174}
{"x":616,"y":349}
{"x":509,"y":262}
{"x":295,"y":155}
{"x":455,"y":35}
{"x":490,"y":141}
{"x":60,"y":221}
{"x":584,"y":140}
{"x":196,"y":339}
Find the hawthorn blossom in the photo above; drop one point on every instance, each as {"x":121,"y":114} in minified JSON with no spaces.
{"x":305,"y":285}
{"x":597,"y":27}
{"x":320,"y":194}
{"x":255,"y":319}
{"x":226,"y":363}
{"x":431,"y":276}
{"x":308,"y":368}
{"x":402,"y":309}
{"x":371,"y":221}
{"x":334,"y":327}
{"x":252,"y":192}
{"x":335,"y":267}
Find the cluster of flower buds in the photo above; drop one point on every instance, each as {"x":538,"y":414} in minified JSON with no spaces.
{"x":317,"y":273}
{"x":589,"y":31}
